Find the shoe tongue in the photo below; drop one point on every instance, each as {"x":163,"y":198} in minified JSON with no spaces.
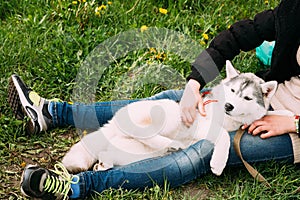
{"x":43,"y":178}
{"x":35,"y":98}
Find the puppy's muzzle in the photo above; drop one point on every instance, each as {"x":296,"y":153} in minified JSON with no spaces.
{"x":228,"y":107}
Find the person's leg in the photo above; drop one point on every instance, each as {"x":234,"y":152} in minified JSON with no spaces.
{"x":177,"y":168}
{"x":94,"y":115}
{"x":183,"y":166}
{"x":45,"y":114}
{"x":174,"y":95}
{"x":84,"y":116}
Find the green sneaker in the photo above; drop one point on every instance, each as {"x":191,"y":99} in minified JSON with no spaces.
{"x":41,"y":183}
{"x":25,"y":102}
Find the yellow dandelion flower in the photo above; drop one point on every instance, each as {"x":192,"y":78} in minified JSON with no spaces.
{"x":74,"y":2}
{"x":102,"y":7}
{"x":158,"y":56}
{"x":148,"y":62}
{"x":202,"y":43}
{"x":144,"y":28}
{"x":163,"y":11}
{"x":97,"y":13}
{"x":109,"y":2}
{"x":44,"y":160}
{"x":152,"y":50}
{"x":205,"y":36}
{"x":23,"y":164}
{"x":266,"y":2}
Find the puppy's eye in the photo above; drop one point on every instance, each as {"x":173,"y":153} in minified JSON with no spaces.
{"x":247,"y":98}
{"x":232,"y":90}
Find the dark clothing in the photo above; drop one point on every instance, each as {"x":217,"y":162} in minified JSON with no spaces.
{"x":281,"y":24}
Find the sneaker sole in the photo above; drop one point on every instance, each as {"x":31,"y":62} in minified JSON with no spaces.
{"x":14,"y":100}
{"x":19,"y":102}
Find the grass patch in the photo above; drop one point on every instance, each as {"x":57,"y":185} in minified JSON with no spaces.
{"x":46,"y":43}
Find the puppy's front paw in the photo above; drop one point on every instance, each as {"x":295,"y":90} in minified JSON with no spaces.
{"x":217,"y":170}
{"x":217,"y":166}
{"x":78,"y":159}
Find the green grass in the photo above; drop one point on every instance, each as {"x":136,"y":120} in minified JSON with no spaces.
{"x":47,"y":42}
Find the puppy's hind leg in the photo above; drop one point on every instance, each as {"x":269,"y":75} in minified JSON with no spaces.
{"x":84,"y":154}
{"x":78,"y":158}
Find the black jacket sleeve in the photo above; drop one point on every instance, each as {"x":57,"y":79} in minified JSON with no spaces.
{"x":243,"y":35}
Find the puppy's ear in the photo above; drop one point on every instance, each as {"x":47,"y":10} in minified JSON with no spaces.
{"x":269,"y":89}
{"x":231,"y":72}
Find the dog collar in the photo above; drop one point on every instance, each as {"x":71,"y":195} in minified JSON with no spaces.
{"x":207,"y":101}
{"x":203,"y":94}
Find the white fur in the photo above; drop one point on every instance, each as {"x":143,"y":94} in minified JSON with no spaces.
{"x":146,"y":129}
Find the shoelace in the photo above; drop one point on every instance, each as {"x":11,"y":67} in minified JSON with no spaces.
{"x":62,"y":184}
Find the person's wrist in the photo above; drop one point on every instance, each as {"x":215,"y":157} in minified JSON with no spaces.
{"x":195,"y":85}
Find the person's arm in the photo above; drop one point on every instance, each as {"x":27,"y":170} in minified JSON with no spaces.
{"x":243,"y":35}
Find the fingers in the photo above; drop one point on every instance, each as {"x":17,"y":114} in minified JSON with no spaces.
{"x":189,"y":102}
{"x":257,"y":127}
{"x":272,"y":125}
{"x":201,"y":108}
{"x":188,"y":116}
{"x":245,"y":126}
{"x":267,"y":135}
{"x":260,"y":127}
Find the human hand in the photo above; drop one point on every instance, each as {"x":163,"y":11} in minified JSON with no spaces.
{"x":190,"y":101}
{"x":272,"y":125}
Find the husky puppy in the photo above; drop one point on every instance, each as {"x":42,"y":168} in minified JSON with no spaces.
{"x":152,"y":128}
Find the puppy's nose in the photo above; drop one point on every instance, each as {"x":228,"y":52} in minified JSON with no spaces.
{"x":228,"y":107}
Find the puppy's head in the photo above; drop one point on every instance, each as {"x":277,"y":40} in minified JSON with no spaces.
{"x":247,"y":97}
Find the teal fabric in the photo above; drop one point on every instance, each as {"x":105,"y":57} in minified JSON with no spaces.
{"x":264,"y":52}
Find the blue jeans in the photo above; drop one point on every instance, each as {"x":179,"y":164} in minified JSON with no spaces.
{"x":177,"y":168}
{"x":93,"y":116}
{"x":183,"y":166}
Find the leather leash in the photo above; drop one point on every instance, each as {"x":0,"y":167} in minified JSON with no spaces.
{"x":254,"y":173}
